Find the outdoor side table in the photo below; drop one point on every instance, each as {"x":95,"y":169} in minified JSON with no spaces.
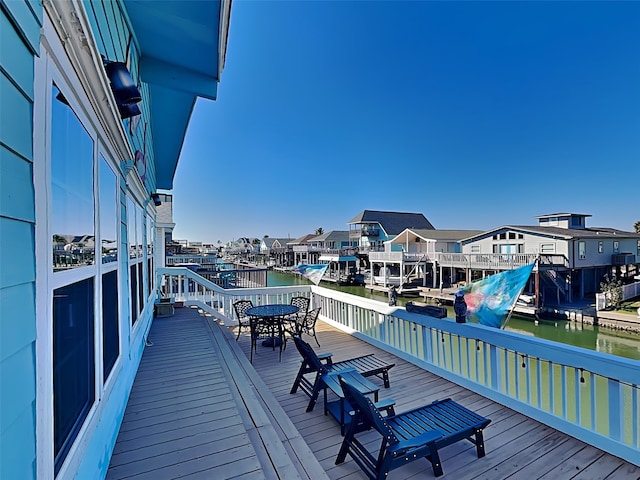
{"x":340,"y":408}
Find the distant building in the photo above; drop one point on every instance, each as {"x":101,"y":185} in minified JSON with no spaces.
{"x":573,"y":258}
{"x":371,"y":228}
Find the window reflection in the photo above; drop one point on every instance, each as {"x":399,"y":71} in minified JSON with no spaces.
{"x":131,"y":228}
{"x":108,"y":213}
{"x":71,"y":188}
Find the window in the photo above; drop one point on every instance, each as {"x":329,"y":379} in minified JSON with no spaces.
{"x":110,"y":332}
{"x":475,"y":248}
{"x":108,"y":213}
{"x":73,"y":363}
{"x":72,"y":202}
{"x":600,"y":247}
{"x":582,"y":250}
{"x":137,"y":268}
{"x":616,"y":247}
{"x":512,"y":235}
{"x":72,"y":229}
{"x":506,"y":248}
{"x":638,"y":248}
{"x":547,"y":248}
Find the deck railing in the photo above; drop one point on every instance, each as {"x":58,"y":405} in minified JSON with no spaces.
{"x":590,"y":395}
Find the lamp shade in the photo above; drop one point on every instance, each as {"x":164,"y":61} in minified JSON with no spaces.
{"x":124,"y":88}
{"x":129,"y":110}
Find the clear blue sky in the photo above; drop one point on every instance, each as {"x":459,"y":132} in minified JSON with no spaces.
{"x":476,"y":114}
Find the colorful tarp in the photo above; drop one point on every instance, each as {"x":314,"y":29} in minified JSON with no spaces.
{"x":490,"y":300}
{"x":312,"y":271}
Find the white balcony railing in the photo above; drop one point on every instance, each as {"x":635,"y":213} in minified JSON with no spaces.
{"x":590,"y":395}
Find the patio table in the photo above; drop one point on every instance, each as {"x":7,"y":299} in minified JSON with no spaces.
{"x":273,"y":315}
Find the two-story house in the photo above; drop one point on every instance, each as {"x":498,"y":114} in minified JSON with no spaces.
{"x":572,"y":258}
{"x":417,"y":251}
{"x":371,"y":229}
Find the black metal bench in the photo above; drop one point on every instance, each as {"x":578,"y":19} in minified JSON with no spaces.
{"x":318,"y":365}
{"x":409,"y":435}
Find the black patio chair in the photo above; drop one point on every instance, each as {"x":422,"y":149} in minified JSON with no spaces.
{"x":307,"y":324}
{"x":318,"y":365}
{"x":240,"y":307}
{"x":406,"y":436}
{"x":303,"y":304}
{"x":261,"y":330}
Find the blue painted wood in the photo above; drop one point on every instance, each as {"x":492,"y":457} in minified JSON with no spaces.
{"x":27,"y":19}
{"x":16,"y":187}
{"x":16,"y":119}
{"x":16,"y":58}
{"x":22,"y":388}
{"x":17,"y":258}
{"x":18,"y":452}
{"x":615,"y":409}
{"x":17,"y":319}
{"x":19,"y":36}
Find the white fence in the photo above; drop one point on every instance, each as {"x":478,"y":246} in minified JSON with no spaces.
{"x":628,"y":291}
{"x":590,"y":395}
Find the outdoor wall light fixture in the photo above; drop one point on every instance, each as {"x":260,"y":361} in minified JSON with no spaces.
{"x":156,"y":199}
{"x":125,"y":91}
{"x":129,"y":110}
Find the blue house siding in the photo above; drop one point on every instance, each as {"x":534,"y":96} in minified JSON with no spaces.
{"x":20,"y":24}
{"x":31,"y":328}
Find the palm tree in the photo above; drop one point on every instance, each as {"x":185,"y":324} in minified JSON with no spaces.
{"x":636,"y":226}
{"x":319,"y":231}
{"x":60,"y":239}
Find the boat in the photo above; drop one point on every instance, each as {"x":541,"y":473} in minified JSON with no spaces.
{"x":351,"y":279}
{"x":435,"y":311}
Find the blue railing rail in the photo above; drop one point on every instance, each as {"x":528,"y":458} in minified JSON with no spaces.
{"x":590,"y":395}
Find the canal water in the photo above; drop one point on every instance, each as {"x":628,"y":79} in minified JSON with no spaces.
{"x":601,"y":339}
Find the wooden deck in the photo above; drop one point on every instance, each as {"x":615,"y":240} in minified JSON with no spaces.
{"x":198,"y":409}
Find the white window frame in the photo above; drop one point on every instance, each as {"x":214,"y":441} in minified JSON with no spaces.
{"x":52,"y":66}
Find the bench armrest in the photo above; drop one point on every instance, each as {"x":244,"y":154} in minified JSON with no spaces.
{"x":419,"y":441}
{"x":325,"y":357}
{"x":386,"y":405}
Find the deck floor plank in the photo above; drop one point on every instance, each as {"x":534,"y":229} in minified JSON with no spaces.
{"x":518,"y":447}
{"x":200,"y":410}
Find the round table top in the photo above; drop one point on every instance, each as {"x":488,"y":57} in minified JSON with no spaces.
{"x":272,"y":310}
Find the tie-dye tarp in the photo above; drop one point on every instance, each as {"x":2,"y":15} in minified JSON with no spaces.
{"x":490,"y":300}
{"x":312,"y":271}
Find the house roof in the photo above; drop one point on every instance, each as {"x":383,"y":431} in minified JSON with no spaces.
{"x":549,"y":215}
{"x":270,"y":241}
{"x":444,"y":235}
{"x":183,"y":47}
{"x":301,"y":240}
{"x":333,"y":236}
{"x":393,"y":222}
{"x":559,"y":233}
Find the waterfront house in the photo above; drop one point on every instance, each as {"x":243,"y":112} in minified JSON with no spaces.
{"x":415,"y":253}
{"x":371,"y":228}
{"x":573,"y":258}
{"x":96,"y":99}
{"x":303,"y":251}
{"x":339,"y":251}
{"x":274,"y":251}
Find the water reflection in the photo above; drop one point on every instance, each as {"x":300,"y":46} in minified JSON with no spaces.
{"x":615,"y":342}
